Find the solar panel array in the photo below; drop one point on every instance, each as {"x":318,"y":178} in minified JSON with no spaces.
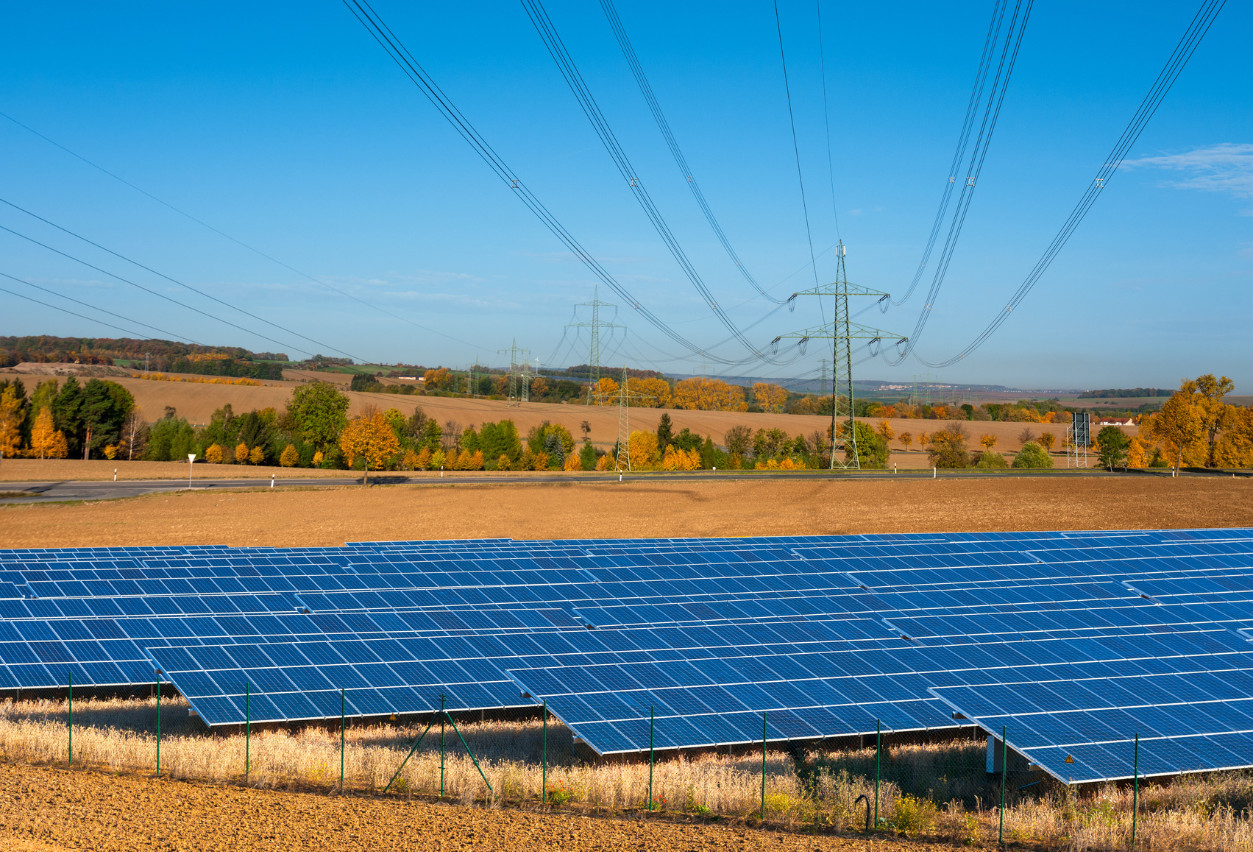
{"x":1074,"y":641}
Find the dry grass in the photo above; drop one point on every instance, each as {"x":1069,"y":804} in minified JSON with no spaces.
{"x":927,"y":791}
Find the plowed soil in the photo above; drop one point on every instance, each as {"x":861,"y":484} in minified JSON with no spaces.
{"x":52,"y":810}
{"x":639,"y":509}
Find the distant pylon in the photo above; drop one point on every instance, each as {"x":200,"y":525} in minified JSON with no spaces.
{"x":595,"y":325}
{"x":519,"y":381}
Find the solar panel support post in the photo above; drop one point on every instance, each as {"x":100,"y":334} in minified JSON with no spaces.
{"x":414,"y":748}
{"x":342,"y":739}
{"x":544,"y":777}
{"x":69,"y":751}
{"x":473,"y":759}
{"x":764,"y":730}
{"x":878,"y":761}
{"x":158,"y":728}
{"x":1004,"y":772}
{"x":652,"y":714}
{"x":247,"y":732}
{"x":441,"y":746}
{"x":1135,"y":791}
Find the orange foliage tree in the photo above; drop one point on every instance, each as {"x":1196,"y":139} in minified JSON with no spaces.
{"x":649,"y":393}
{"x":10,"y":422}
{"x":45,"y":439}
{"x":372,"y":439}
{"x":606,"y":392}
{"x":769,"y":397}
{"x":701,"y":394}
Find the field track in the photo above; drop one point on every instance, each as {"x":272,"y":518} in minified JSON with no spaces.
{"x":332,"y":516}
{"x":55,"y":810}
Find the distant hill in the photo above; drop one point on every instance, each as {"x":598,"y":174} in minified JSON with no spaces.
{"x":1125,"y":393}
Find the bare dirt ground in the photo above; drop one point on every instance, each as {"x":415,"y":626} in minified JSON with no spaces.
{"x":331,"y":516}
{"x":52,"y":810}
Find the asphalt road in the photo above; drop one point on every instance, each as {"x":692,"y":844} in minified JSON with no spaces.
{"x":73,"y":490}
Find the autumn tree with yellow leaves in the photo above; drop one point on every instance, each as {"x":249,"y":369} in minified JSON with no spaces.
{"x":45,"y":439}
{"x":702,"y":394}
{"x":1197,"y":428}
{"x":605,"y":392}
{"x":371,"y":439}
{"x":769,"y":397}
{"x":649,"y":393}
{"x":10,"y":422}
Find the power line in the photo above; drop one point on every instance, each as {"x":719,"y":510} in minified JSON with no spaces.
{"x":795,"y":145}
{"x":1178,"y":60}
{"x":168,"y":334}
{"x":411,"y":68}
{"x":826,"y":117}
{"x":992,"y":111}
{"x":148,"y":290}
{"x":654,"y":106}
{"x":236,"y":240}
{"x":179,"y":283}
{"x":569,"y":71}
{"x":72,"y":313}
{"x":976,"y":97}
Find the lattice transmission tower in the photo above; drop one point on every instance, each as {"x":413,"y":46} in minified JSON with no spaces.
{"x":595,"y":325}
{"x":519,"y":373}
{"x":842,"y":331}
{"x":623,"y":397}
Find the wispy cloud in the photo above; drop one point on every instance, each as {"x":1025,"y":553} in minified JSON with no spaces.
{"x":1227,"y":167}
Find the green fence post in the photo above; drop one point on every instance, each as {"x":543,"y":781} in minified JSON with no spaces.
{"x":342,"y":740}
{"x":878,"y":760}
{"x":651,"y":722}
{"x":412,"y":749}
{"x":70,"y":749}
{"x":764,"y":729}
{"x":544,"y":782}
{"x":441,"y":746}
{"x":158,"y":727}
{"x":1004,"y":772}
{"x":1135,"y":794}
{"x":247,"y":732}
{"x":470,"y":752}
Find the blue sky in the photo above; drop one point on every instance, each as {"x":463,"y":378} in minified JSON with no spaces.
{"x":287,"y":127}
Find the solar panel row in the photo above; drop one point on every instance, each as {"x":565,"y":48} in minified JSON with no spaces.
{"x":893,"y":628}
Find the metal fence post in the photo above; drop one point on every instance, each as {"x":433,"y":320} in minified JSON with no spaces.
{"x":158,"y":727}
{"x":544,"y":779}
{"x":878,"y":760}
{"x":70,"y":748}
{"x":247,"y":732}
{"x":1004,"y":773}
{"x":342,"y":740}
{"x":1135,"y":792}
{"x":652,"y":712}
{"x":764,"y":723}
{"x":441,"y":746}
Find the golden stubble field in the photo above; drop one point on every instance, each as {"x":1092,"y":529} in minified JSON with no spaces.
{"x":632,"y":509}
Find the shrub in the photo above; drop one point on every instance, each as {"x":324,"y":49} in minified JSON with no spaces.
{"x":213,"y":455}
{"x":989,"y":460}
{"x":1032,"y":455}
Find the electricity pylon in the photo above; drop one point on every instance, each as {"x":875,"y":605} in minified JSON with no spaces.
{"x":519,"y":383}
{"x":623,"y":396}
{"x":842,"y":332}
{"x":595,"y":325}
